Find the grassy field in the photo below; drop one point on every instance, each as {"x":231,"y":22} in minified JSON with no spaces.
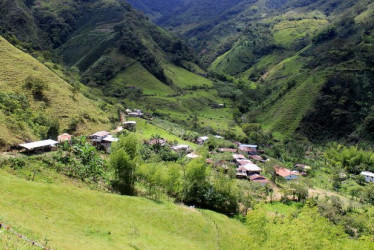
{"x":184,"y":78}
{"x":138,"y":76}
{"x":68,"y":217}
{"x":145,"y":130}
{"x":62,"y":104}
{"x":287,"y":32}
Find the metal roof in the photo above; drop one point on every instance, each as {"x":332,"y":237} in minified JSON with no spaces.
{"x":366,"y":173}
{"x":39,"y":144}
{"x":248,"y":146}
{"x":180,"y":147}
{"x":192,"y":156}
{"x":110,"y":138}
{"x":204,"y":138}
{"x":251,"y":167}
{"x":101,"y":134}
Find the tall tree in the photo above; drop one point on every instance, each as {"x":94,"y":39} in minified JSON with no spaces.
{"x":123,"y":160}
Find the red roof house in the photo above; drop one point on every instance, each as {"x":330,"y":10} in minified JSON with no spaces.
{"x":286,"y":173}
{"x":259,"y":179}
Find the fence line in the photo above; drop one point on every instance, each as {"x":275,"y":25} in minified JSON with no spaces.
{"x":34,"y":243}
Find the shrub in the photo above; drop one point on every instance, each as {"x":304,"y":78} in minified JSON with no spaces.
{"x":36,"y":86}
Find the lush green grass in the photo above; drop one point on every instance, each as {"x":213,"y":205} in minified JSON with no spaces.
{"x":145,"y":130}
{"x":184,"y":78}
{"x":75,"y":218}
{"x":287,"y":32}
{"x":10,"y":241}
{"x":137,"y":75}
{"x":62,"y":104}
{"x":265,"y":64}
{"x":287,"y":112}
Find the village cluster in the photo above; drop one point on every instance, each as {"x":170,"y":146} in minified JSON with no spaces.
{"x":244,"y":156}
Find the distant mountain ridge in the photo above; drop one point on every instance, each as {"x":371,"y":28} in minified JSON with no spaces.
{"x":297,"y":57}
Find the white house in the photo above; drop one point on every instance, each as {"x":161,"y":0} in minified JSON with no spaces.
{"x":136,"y":113}
{"x":201,"y":140}
{"x":252,"y":168}
{"x":181,"y":147}
{"x":369,"y":176}
{"x":107,"y":142}
{"x":98,"y":136}
{"x":192,"y":156}
{"x":129,"y":125}
{"x":39,"y":145}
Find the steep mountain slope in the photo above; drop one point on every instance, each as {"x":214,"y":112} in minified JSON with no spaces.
{"x":116,"y":49}
{"x":36,"y":103}
{"x":290,"y":54}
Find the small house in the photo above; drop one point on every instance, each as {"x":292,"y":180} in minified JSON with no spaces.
{"x":251,"y":168}
{"x":257,"y":158}
{"x":45,"y":145}
{"x":192,"y":156}
{"x":201,"y":140}
{"x":136,"y":113}
{"x":98,"y":137}
{"x":64,"y":138}
{"x":181,"y":148}
{"x":238,"y":157}
{"x":248,"y":148}
{"x":106,"y":143}
{"x":219,"y":137}
{"x":241,"y":173}
{"x":286,"y":173}
{"x":230,"y":150}
{"x":130,"y":125}
{"x":259,"y":179}
{"x":369,"y":176}
{"x":241,"y":162}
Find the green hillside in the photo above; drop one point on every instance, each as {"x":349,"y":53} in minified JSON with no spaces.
{"x":283,"y":49}
{"x":75,"y":218}
{"x":26,"y":116}
{"x":116,"y":50}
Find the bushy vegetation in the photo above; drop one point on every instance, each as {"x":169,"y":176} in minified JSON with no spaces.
{"x":291,"y":227}
{"x":22,"y":118}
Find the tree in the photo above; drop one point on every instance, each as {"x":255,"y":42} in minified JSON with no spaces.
{"x":369,"y":193}
{"x":124,"y":172}
{"x":299,"y":191}
{"x":37,"y":86}
{"x":157,"y":145}
{"x":173,"y":180}
{"x":124,"y":159}
{"x":130,"y":144}
{"x":196,"y":185}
